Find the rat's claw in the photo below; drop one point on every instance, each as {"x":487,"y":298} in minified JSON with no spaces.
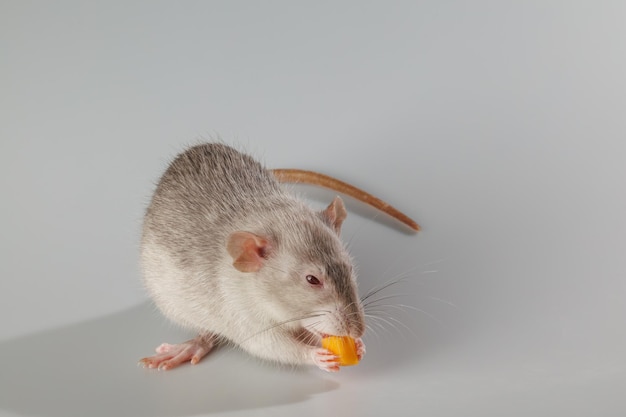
{"x":326,"y":360}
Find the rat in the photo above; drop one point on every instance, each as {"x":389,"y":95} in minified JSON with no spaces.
{"x":228,"y":253}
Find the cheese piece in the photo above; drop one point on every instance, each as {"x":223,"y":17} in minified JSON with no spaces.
{"x":342,"y":346}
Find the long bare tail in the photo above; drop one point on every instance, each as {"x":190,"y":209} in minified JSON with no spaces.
{"x":314,"y":178}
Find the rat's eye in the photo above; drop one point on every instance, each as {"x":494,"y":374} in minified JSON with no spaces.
{"x":313,"y":280}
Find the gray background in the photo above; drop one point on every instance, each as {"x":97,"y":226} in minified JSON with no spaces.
{"x":499,"y":126}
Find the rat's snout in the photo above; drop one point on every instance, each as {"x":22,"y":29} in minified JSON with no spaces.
{"x":338,"y":321}
{"x":356,"y":320}
{"x":352,"y":315}
{"x":350,"y":321}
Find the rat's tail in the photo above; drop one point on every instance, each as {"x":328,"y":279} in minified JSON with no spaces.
{"x":314,"y":178}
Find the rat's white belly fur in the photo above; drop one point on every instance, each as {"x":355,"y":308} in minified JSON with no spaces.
{"x":176,"y":295}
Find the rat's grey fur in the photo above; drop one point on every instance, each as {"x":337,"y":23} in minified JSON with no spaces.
{"x":211,"y":191}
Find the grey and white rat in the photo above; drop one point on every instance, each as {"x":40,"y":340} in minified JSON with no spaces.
{"x":228,"y":253}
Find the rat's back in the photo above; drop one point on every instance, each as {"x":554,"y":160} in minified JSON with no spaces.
{"x":205,"y":189}
{"x":212,"y":179}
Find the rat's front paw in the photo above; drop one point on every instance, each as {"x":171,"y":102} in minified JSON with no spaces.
{"x":360,"y":348}
{"x":326,"y":360}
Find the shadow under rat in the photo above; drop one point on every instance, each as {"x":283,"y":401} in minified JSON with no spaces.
{"x":88,"y":369}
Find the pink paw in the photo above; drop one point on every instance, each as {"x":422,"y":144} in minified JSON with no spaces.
{"x":360,"y":348}
{"x":326,"y":360}
{"x":170,"y":356}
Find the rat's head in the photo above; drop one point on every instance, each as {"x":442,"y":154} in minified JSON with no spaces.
{"x":304,"y":273}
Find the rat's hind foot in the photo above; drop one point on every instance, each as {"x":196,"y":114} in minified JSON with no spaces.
{"x":170,"y":356}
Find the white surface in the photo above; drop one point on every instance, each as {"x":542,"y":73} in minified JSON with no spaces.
{"x":499,"y":126}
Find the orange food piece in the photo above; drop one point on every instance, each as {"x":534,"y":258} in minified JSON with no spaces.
{"x":342,"y":346}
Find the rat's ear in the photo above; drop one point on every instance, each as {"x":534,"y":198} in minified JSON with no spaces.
{"x":248,"y":251}
{"x":335,"y":214}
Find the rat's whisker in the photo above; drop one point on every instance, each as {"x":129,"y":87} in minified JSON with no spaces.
{"x":400,"y":307}
{"x":441,"y":300}
{"x":353,"y":314}
{"x":437,"y":299}
{"x":389,"y":323}
{"x":382,"y":287}
{"x":312,"y":327}
{"x":376,"y":321}
{"x":282,"y":323}
{"x":399,"y":278}
{"x":373,"y":331}
{"x":350,"y":306}
{"x":387,"y":297}
{"x":401,"y":323}
{"x":275,"y":268}
{"x":308,"y":337}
